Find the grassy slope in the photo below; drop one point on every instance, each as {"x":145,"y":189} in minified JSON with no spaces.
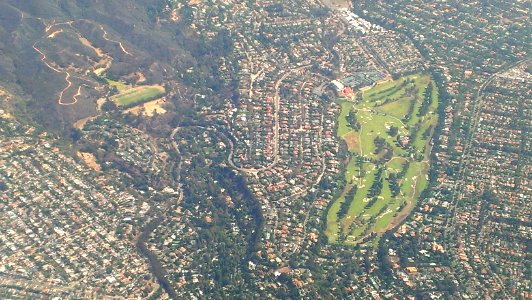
{"x":120,"y":86}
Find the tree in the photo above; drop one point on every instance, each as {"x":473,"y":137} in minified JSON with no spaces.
{"x":351,"y":118}
{"x":108,"y":105}
{"x":393,"y":131}
{"x":427,"y":100}
{"x":75,"y":134}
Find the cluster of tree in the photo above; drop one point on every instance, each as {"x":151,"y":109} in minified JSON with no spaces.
{"x":319,"y":12}
{"x":393,"y":182}
{"x":202,"y":189}
{"x":427,"y":132}
{"x":414,"y":132}
{"x":395,"y":88}
{"x":274,"y":8}
{"x":376,"y":187}
{"x":404,"y":169}
{"x":108,"y":105}
{"x":427,"y":100}
{"x":384,"y":148}
{"x":370,"y":203}
{"x":380,"y":144}
{"x":238,"y":189}
{"x":348,"y":199}
{"x":351,"y":118}
{"x":411,"y":106}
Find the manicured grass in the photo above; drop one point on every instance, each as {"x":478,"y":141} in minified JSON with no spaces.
{"x":332,"y":219}
{"x":355,"y":234}
{"x":138,"y":95}
{"x":385,"y":218}
{"x":120,"y":86}
{"x":381,"y":89}
{"x":384,"y":199}
{"x":343,"y":127}
{"x":376,"y":118}
{"x":351,"y":171}
{"x":374,"y":125}
{"x":397,"y":108}
{"x":395,"y":164}
{"x":357,"y":205}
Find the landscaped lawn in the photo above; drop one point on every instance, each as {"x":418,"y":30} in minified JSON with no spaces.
{"x":343,"y":127}
{"x":138,"y":95}
{"x":375,"y":120}
{"x":120,"y":86}
{"x":357,"y":205}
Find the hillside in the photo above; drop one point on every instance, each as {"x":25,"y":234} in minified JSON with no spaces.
{"x":56,"y":55}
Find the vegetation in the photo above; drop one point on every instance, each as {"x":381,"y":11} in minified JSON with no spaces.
{"x":388,"y":167}
{"x":138,"y":95}
{"x":119,"y":86}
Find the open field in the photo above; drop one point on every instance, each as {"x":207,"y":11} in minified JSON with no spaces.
{"x":387,"y":170}
{"x":138,"y":95}
{"x":119,"y":85}
{"x":149,"y":108}
{"x":336,"y":4}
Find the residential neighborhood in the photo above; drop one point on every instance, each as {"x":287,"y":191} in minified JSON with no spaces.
{"x":317,"y":149}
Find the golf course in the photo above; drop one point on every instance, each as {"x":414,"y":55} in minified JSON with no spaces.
{"x":387,"y":130}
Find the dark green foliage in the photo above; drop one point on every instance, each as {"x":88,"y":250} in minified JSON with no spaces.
{"x":352,"y":120}
{"x":108,"y":105}
{"x":344,"y":207}
{"x":393,"y":131}
{"x":376,"y":187}
{"x":380,"y":144}
{"x":75,"y":134}
{"x":393,"y":182}
{"x":427,"y":100}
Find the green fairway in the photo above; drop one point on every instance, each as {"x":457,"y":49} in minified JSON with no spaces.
{"x":358,"y":203}
{"x":388,"y":130}
{"x":343,"y":127}
{"x":351,"y":171}
{"x":138,"y":95}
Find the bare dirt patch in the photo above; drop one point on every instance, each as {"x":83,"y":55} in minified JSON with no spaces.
{"x":352,"y":141}
{"x":149,"y":108}
{"x":99,"y":103}
{"x":336,"y":4}
{"x":80,"y":123}
{"x":141,"y":77}
{"x":90,"y":160}
{"x":87,"y":43}
{"x":6,"y":115}
{"x":53,"y":34}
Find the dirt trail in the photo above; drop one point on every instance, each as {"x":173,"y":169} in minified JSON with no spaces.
{"x":106,"y":59}
{"x":69,"y":84}
{"x":67,"y":77}
{"x":117,"y":42}
{"x":53,"y":34}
